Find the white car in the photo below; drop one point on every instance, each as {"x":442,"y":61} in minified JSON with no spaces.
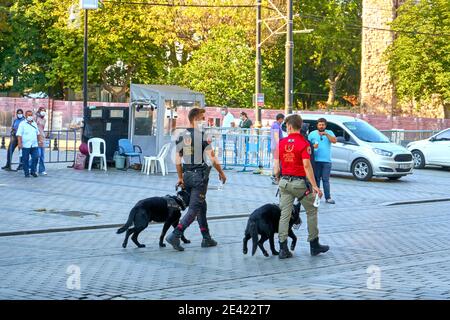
{"x":431,"y":151}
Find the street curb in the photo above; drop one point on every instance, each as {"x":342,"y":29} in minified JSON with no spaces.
{"x":399,"y":203}
{"x":105,"y":226}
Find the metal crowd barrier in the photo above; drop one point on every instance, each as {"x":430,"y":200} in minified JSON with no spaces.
{"x":250,"y":148}
{"x":60,"y":146}
{"x":246,"y":148}
{"x":403,"y":137}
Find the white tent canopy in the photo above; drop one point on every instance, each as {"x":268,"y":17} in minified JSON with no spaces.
{"x":144,"y":93}
{"x":148,"y":105}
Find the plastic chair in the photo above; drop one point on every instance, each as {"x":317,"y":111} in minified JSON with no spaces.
{"x":161,"y":159}
{"x":129,"y":150}
{"x":95,"y":150}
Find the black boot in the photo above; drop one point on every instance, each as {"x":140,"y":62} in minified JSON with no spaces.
{"x":317,"y":248}
{"x":208,"y":241}
{"x":174,"y":239}
{"x":7,"y":168}
{"x":284,"y":251}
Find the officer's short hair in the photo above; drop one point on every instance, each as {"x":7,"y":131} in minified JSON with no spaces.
{"x":295,"y":121}
{"x":322,"y":120}
{"x":194,"y":113}
{"x":279,"y":116}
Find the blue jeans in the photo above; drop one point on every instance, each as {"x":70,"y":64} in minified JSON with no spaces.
{"x":26,"y":153}
{"x":41,"y":159}
{"x":322,"y":172}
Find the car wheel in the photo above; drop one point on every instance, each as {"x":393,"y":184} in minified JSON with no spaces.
{"x":394,"y":178}
{"x":419,"y":159}
{"x":362,"y":170}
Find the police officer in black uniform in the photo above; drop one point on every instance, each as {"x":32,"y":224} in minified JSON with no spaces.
{"x":193,"y":175}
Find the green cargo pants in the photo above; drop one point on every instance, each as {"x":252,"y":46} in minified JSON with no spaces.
{"x":290,"y":190}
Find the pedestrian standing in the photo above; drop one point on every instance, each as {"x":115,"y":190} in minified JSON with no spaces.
{"x":228,"y":118}
{"x":13,"y":141}
{"x":297,"y":181}
{"x":322,"y":140}
{"x":41,"y":121}
{"x":305,"y":132}
{"x":29,"y":139}
{"x":275,"y":135}
{"x":193,"y":174}
{"x":246,"y":123}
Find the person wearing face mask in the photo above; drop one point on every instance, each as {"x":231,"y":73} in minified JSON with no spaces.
{"x":246,"y":123}
{"x":322,"y":140}
{"x":40,"y":121}
{"x":13,"y":142}
{"x":29,"y":139}
{"x":228,"y":118}
{"x":193,"y":175}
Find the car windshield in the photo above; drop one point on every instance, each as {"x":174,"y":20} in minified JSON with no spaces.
{"x":366,"y":132}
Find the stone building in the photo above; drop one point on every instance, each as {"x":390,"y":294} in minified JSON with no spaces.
{"x":377,"y":92}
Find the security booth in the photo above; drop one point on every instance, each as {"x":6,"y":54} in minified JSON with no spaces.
{"x":108,"y":123}
{"x":153,"y":115}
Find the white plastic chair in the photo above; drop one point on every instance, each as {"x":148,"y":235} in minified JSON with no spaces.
{"x":95,"y":150}
{"x":161,"y":159}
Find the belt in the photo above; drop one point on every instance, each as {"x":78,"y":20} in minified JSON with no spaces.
{"x":197,"y":170}
{"x":290,"y":178}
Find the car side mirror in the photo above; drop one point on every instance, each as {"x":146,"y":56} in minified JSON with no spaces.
{"x":341,"y":139}
{"x":433,"y":139}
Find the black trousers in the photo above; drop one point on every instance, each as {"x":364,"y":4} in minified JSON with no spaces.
{"x":12,"y":146}
{"x":196,"y":183}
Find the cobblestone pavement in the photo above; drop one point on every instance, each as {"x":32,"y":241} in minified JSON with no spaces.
{"x":406,"y":245}
{"x":409,"y":245}
{"x":109,"y":196}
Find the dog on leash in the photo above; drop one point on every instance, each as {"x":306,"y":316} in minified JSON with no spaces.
{"x":264,"y":221}
{"x":158,"y":209}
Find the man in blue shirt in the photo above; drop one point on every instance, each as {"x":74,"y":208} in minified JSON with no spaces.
{"x":322,"y":140}
{"x":13,"y":140}
{"x":275,"y":135}
{"x":29,"y":140}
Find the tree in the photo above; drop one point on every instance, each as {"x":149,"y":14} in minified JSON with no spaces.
{"x":334,"y":47}
{"x":222,"y":68}
{"x":5,"y":35}
{"x":26,"y":55}
{"x":419,"y":58}
{"x":121,"y":47}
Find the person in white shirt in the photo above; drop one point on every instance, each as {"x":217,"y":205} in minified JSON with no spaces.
{"x":228,"y":118}
{"x":29,"y":140}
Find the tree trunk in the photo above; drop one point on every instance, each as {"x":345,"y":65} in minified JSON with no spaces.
{"x":124,"y":88}
{"x":446,"y":105}
{"x":332,"y":82}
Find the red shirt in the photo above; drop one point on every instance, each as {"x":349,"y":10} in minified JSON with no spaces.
{"x":292,"y":150}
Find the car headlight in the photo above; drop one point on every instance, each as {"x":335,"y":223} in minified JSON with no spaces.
{"x":382,"y":152}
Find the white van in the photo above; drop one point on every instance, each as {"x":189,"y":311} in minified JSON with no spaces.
{"x":363,"y":150}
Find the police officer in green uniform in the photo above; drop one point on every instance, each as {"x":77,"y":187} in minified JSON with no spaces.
{"x":297,"y":181}
{"x":193,"y":175}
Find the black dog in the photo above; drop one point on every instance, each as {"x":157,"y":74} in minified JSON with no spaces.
{"x":159,"y":209}
{"x":265,"y":221}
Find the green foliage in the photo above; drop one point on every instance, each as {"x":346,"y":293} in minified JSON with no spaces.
{"x":223,"y":68}
{"x":419,"y":58}
{"x":206,"y":49}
